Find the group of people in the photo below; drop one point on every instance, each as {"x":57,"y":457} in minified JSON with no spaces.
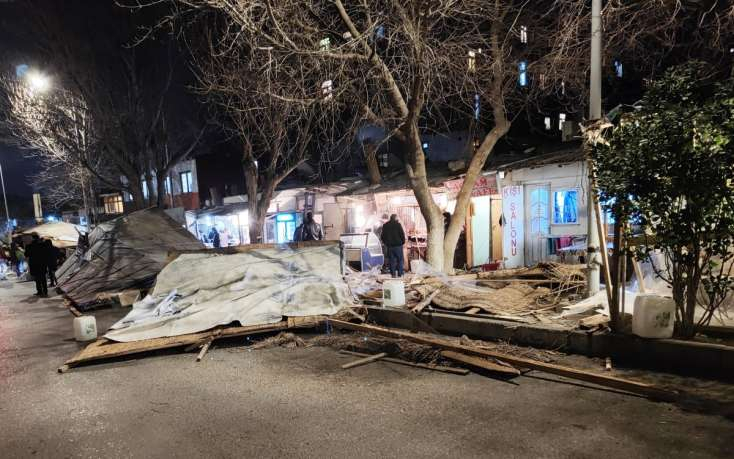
{"x":41,"y":257}
{"x":392,"y":236}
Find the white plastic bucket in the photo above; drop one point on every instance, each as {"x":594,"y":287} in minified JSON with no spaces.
{"x":393,"y":293}
{"x":653,"y":316}
{"x":85,"y":328}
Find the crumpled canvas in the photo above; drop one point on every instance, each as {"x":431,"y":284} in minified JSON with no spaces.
{"x":197,"y":292}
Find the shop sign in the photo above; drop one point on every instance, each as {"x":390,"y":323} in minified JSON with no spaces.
{"x":484,"y":186}
{"x":513,"y":236}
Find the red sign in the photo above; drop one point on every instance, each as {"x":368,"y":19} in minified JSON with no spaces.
{"x":484,"y":186}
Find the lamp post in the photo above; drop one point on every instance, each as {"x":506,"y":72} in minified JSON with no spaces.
{"x":592,"y":236}
{"x":5,"y":199}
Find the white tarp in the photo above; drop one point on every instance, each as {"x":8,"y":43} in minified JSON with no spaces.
{"x":197,"y":292}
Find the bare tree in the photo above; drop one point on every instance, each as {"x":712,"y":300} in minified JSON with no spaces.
{"x":416,"y":65}
{"x":56,"y":127}
{"x":126,"y":92}
{"x":277,"y":123}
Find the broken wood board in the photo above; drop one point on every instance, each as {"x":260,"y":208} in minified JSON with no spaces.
{"x":594,"y":321}
{"x":426,"y":301}
{"x":364,"y":360}
{"x":647,"y":390}
{"x":104,"y":349}
{"x":426,"y":366}
{"x":477,"y":362}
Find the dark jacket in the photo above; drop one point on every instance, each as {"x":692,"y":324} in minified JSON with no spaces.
{"x":393,"y":234}
{"x":308,"y":231}
{"x":36,"y":252}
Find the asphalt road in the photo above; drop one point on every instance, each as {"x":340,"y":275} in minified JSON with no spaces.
{"x":299,"y":403}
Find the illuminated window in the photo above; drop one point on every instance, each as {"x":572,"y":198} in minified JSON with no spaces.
{"x":477,"y":106}
{"x":561,"y":120}
{"x":167,"y":185}
{"x":522,"y":69}
{"x":563,"y":88}
{"x":618,"y":69}
{"x":472,"y":60}
{"x":523,"y":34}
{"x":327,"y":89}
{"x":548,"y":123}
{"x":541,"y":80}
{"x":380,"y":32}
{"x":187,"y":182}
{"x":565,"y":207}
{"x":113,"y":204}
{"x":145,"y":189}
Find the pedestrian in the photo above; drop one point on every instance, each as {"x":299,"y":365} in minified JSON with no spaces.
{"x":13,"y":257}
{"x":36,"y":254}
{"x":214,"y":237}
{"x":52,"y":260}
{"x":393,"y":237}
{"x":309,"y":230}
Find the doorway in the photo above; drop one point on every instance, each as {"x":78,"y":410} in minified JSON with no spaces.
{"x":537,"y":222}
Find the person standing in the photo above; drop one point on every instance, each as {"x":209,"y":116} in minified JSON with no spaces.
{"x":309,"y":230}
{"x":393,"y":237}
{"x":52,"y":260}
{"x":214,"y":237}
{"x":37,"y":264}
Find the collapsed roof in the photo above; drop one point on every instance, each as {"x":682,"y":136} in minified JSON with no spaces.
{"x":250,"y":285}
{"x":61,"y":234}
{"x":125,"y":253}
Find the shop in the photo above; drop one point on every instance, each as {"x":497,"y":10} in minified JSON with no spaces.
{"x":544,"y":201}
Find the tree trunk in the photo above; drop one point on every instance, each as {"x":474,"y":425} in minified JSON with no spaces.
{"x":136,"y":190}
{"x":151,"y":188}
{"x":370,"y":158}
{"x":416,"y":169}
{"x":160,"y":194}
{"x":463,"y":199}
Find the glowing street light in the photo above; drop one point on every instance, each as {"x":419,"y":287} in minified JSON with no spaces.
{"x":38,"y":81}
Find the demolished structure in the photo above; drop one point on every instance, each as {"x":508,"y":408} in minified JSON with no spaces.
{"x":125,"y":253}
{"x":247,"y":285}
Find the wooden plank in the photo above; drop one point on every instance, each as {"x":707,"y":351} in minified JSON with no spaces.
{"x":636,"y":387}
{"x":426,"y":301}
{"x":477,"y":362}
{"x":473,"y":310}
{"x":204,"y":350}
{"x":425,"y":366}
{"x":364,"y":361}
{"x":107,"y":350}
{"x":594,"y":321}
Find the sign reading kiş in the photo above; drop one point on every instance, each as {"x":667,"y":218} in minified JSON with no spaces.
{"x":513,"y":236}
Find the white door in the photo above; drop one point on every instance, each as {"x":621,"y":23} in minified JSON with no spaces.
{"x":537,"y":223}
{"x":480,"y":230}
{"x":333,"y":221}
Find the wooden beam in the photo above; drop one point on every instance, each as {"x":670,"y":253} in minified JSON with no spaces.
{"x":103,"y":349}
{"x":364,"y":361}
{"x":648,"y":390}
{"x":426,"y":301}
{"x":204,"y":350}
{"x":477,"y":362}
{"x":425,"y":366}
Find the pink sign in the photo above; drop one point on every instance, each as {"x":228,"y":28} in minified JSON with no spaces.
{"x":484,"y":186}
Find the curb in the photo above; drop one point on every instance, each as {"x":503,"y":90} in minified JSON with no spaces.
{"x":671,"y":355}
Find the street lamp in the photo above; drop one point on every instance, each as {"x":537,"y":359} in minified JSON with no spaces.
{"x":38,"y":81}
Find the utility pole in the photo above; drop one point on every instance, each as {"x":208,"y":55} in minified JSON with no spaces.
{"x":592,"y":236}
{"x":5,"y":198}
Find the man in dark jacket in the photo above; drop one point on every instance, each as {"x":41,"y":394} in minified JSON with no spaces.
{"x":309,"y":230}
{"x":38,"y":264}
{"x":393,"y":237}
{"x":214,"y":237}
{"x":52,"y":260}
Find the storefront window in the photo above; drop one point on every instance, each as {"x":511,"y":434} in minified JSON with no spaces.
{"x":565,"y":207}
